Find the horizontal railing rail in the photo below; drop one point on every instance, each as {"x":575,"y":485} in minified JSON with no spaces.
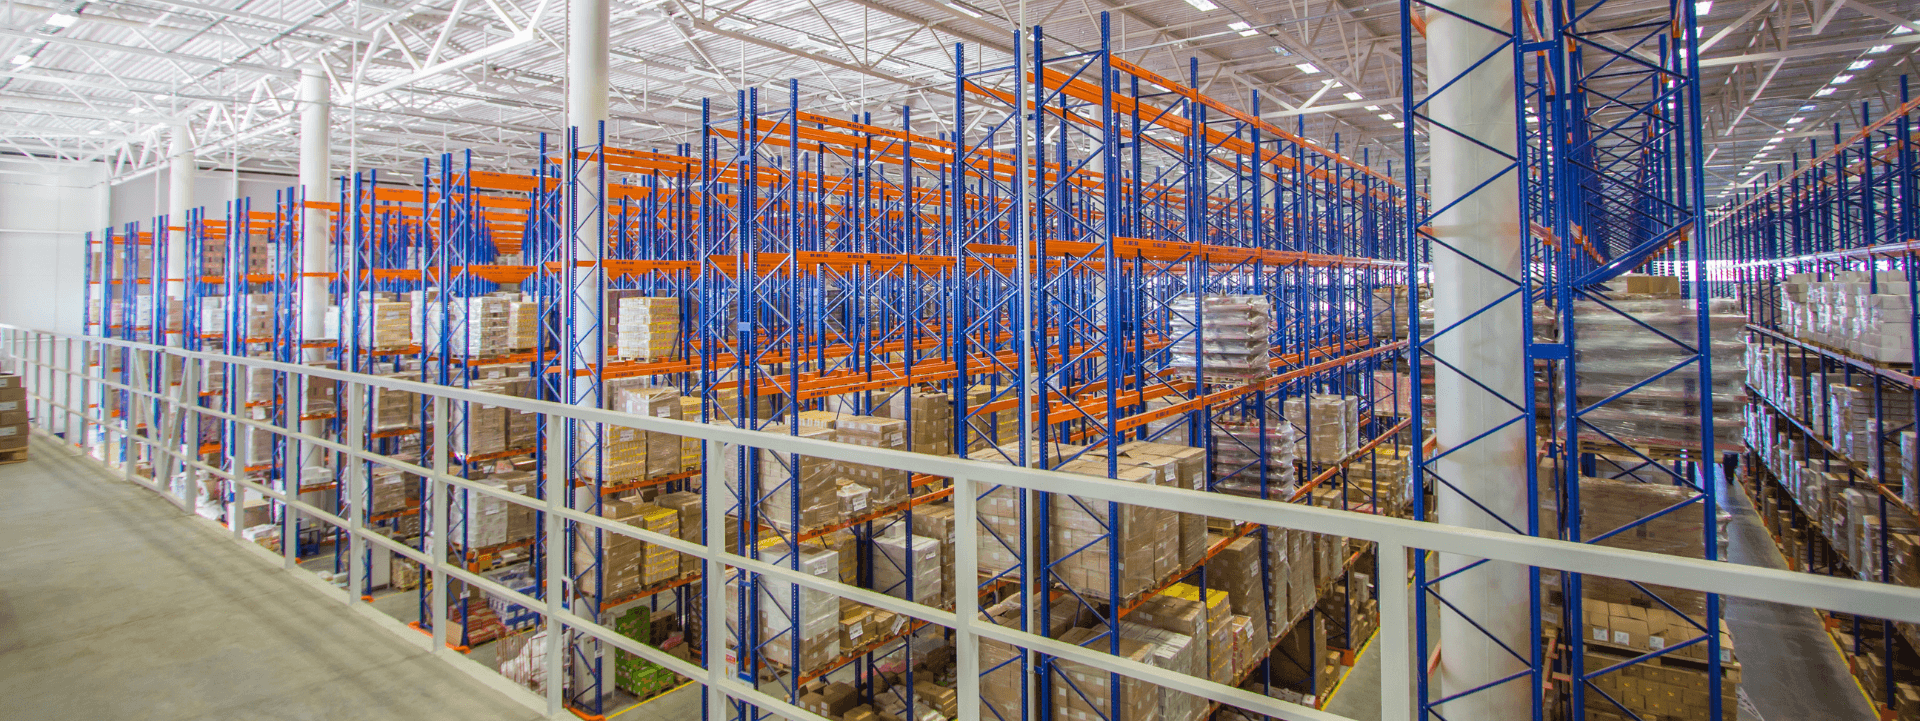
{"x":55,"y":363}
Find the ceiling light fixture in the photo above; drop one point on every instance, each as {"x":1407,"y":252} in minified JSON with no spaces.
{"x":1841,"y":79}
{"x":1244,"y":29}
{"x":1791,"y":121}
{"x":1205,"y":6}
{"x":1703,"y":7}
{"x":964,"y":10}
{"x":1808,"y":107}
{"x":1386,"y":116}
{"x":1307,"y":68}
{"x":1877,"y":49}
{"x":22,"y":59}
{"x":1860,"y":65}
{"x":1353,"y":96}
{"x":1373,"y":107}
{"x":63,"y":20}
{"x":1400,"y":125}
{"x":1823,"y":92}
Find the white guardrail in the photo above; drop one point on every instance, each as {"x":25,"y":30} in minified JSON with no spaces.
{"x":66,"y":375}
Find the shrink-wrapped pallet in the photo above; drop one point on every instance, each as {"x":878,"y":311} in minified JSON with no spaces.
{"x":1221,"y":338}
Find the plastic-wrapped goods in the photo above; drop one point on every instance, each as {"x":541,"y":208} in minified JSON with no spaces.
{"x":909,"y":569}
{"x":648,"y":328}
{"x":930,"y":417}
{"x":259,"y":321}
{"x":887,"y":486}
{"x":471,"y":327}
{"x":1867,"y":314}
{"x":1232,"y":342}
{"x":1239,"y":450}
{"x":818,"y":615}
{"x":522,"y":325}
{"x":1618,"y":350}
{"x":663,"y":451}
{"x":783,"y":476}
{"x":386,"y":324}
{"x":1329,"y":425}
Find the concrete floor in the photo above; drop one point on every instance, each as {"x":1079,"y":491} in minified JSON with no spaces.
{"x":115,"y":605}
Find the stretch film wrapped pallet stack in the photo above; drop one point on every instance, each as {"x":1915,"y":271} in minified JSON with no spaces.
{"x":522,"y":325}
{"x":1329,"y":425}
{"x":1629,"y":340}
{"x":1866,"y":314}
{"x":1241,"y":449}
{"x":818,"y":614}
{"x":1232,"y":342}
{"x":387,"y":324}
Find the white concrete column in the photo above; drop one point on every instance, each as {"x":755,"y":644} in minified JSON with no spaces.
{"x":1493,"y":470}
{"x":587,"y":53}
{"x":180,"y":172}
{"x":315,"y":147}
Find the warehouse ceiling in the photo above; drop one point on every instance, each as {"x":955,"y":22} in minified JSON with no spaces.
{"x":106,"y":80}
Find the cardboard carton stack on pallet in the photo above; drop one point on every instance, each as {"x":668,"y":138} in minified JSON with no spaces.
{"x":887,"y":487}
{"x":13,"y":419}
{"x":1329,"y":425}
{"x":1866,"y":314}
{"x":816,"y":621}
{"x":522,"y":325}
{"x":648,"y":328}
{"x":386,"y":324}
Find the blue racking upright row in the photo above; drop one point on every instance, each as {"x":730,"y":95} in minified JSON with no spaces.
{"x":1819,"y":248}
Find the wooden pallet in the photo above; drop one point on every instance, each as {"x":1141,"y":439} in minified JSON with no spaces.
{"x":17,"y":455}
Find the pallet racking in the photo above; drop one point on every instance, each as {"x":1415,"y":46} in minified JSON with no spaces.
{"x":1028,"y":277}
{"x":1846,"y":214}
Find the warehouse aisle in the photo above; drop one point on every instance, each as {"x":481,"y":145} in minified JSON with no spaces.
{"x":114,"y":606}
{"x":1790,"y":667}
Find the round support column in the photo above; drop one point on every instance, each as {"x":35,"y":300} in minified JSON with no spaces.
{"x":180,"y":171}
{"x":1491,"y":472}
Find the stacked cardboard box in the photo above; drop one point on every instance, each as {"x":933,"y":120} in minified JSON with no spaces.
{"x":259,"y":323}
{"x":658,"y":563}
{"x":997,"y":427}
{"x":391,"y":488}
{"x":394,"y":409}
{"x":888,"y":486}
{"x":1236,"y":570}
{"x":936,"y":521}
{"x":930,"y":415}
{"x":1867,"y":314}
{"x":486,"y":429}
{"x":1607,"y":505}
{"x":1222,"y":338}
{"x":259,"y":254}
{"x":998,"y":509}
{"x":1181,"y":611}
{"x":13,"y":415}
{"x":1086,"y":532}
{"x":1379,"y":476}
{"x":474,"y":327}
{"x":1174,"y":652}
{"x":213,"y":260}
{"x":784,"y":476}
{"x":386,"y":324}
{"x":621,"y":557}
{"x":1674,"y":687}
{"x":1085,"y":693}
{"x":663,"y":451}
{"x":490,"y":520}
{"x":648,"y":328}
{"x":687,"y":505}
{"x":522,"y":325}
{"x":1180,"y":467}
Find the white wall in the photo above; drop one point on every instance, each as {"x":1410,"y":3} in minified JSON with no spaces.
{"x":142,"y":199}
{"x":45,"y":211}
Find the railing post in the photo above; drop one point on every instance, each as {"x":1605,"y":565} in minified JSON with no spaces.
{"x":966,"y":604}
{"x":353,"y":416}
{"x":435,"y":528}
{"x":713,"y":633}
{"x":554,"y":537}
{"x":1397,"y":664}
